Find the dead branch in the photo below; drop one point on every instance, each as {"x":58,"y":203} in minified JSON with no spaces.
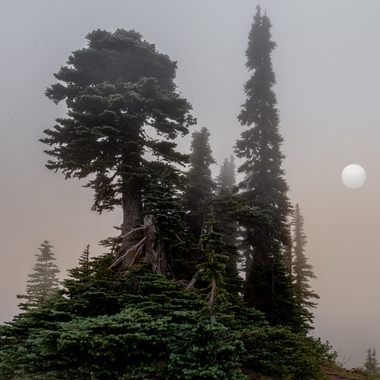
{"x":193,"y":281}
{"x":135,"y":247}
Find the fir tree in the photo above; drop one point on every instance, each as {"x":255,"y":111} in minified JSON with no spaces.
{"x":117,"y":90}
{"x":226,"y":205}
{"x":163,"y":200}
{"x":43,"y":282}
{"x":200,"y":184}
{"x":303,"y":271}
{"x":212,"y":268}
{"x":263,"y":186}
{"x":83,"y":271}
{"x":226,"y":179}
{"x":371,"y":365}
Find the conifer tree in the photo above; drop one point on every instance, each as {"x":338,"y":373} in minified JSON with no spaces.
{"x":263,"y":186}
{"x":212,"y":268}
{"x":83,"y":271}
{"x":163,"y":200}
{"x":303,"y":271}
{"x":122,"y":104}
{"x":200,"y":184}
{"x":226,"y":179}
{"x":43,"y":282}
{"x":227,"y":206}
{"x":371,"y":365}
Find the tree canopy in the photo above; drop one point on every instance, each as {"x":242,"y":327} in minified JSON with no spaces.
{"x":123,"y":113}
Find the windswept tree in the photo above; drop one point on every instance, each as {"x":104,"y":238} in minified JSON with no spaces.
{"x":264,"y":186}
{"x":200,"y":186}
{"x":43,"y":282}
{"x":123,"y":113}
{"x":302,"y":271}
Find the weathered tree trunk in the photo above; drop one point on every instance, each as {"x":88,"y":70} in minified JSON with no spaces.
{"x":154,"y":252}
{"x":131,"y":229}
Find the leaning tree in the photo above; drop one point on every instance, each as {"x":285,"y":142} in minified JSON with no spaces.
{"x":123,"y":113}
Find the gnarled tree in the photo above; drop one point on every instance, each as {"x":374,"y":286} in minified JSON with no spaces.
{"x":123,"y":112}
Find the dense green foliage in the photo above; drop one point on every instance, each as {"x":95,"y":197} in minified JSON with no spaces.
{"x":140,"y":325}
{"x":43,"y":281}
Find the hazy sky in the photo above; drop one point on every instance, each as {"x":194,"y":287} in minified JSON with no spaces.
{"x":327,"y":66}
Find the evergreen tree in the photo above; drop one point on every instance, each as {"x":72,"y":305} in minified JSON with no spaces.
{"x":83,"y":271}
{"x":163,"y":200}
{"x":303,"y":272}
{"x":264,"y":186}
{"x":226,"y":205}
{"x":226,"y":179}
{"x":43,"y":282}
{"x":212,"y":270}
{"x":117,"y":90}
{"x":371,"y":365}
{"x":200,"y":184}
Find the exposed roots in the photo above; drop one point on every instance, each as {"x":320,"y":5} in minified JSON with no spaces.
{"x":144,"y":249}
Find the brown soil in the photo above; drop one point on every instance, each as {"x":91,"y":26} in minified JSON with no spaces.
{"x":341,"y":374}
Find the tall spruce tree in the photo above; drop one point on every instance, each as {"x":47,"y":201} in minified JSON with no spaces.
{"x":302,"y":271}
{"x":263,"y":186}
{"x":122,"y":107}
{"x":198,"y":194}
{"x":43,"y":282}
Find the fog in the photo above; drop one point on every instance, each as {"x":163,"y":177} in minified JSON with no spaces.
{"x":327,"y":67}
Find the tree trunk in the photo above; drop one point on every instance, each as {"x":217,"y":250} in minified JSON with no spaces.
{"x":132,"y":219}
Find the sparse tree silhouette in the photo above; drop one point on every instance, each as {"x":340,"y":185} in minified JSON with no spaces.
{"x":303,"y":271}
{"x":200,"y":184}
{"x":226,"y":205}
{"x":43,"y":281}
{"x":226,"y":179}
{"x":371,"y":364}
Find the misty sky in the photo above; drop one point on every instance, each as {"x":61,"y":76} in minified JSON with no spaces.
{"x":327,"y":64}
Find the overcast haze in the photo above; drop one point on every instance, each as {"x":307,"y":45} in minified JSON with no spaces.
{"x":327,"y":64}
